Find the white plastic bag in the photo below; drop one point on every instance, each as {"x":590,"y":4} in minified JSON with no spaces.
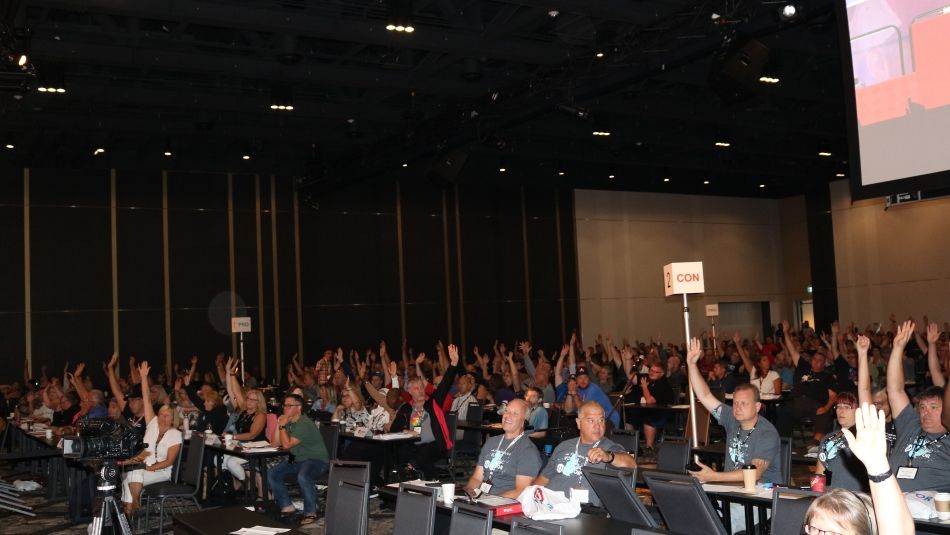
{"x":921,"y":504}
{"x":540,"y":503}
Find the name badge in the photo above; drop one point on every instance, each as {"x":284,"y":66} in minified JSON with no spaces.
{"x":360,"y":432}
{"x":907,"y":472}
{"x":485,"y":487}
{"x":580,"y":495}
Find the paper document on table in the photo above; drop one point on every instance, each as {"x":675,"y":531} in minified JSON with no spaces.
{"x":679,"y":406}
{"x":260,"y":530}
{"x":391,"y":436}
{"x":256,"y":444}
{"x":266,"y":449}
{"x":413,"y":482}
{"x":491,"y":500}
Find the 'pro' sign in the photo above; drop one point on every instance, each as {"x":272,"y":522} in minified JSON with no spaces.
{"x":683,"y":278}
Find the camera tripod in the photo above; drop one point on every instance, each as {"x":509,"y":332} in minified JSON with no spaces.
{"x":107,"y":482}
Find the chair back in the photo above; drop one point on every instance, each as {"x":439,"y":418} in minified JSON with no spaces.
{"x":523,"y":526}
{"x":683,"y":503}
{"x":471,"y":520}
{"x":616,"y":490}
{"x":471,"y":438}
{"x":672,"y":456}
{"x":176,"y":468}
{"x":191,"y":473}
{"x":785,"y":460}
{"x":788,"y":510}
{"x":331,"y":438}
{"x":271,"y":426}
{"x":347,"y":503}
{"x":415,"y":510}
{"x":452,"y":423}
{"x":630,"y":440}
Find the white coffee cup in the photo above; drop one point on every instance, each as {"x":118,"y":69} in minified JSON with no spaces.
{"x":942,"y":504}
{"x":748,"y":477}
{"x":448,"y":493}
{"x":49,"y":434}
{"x":546,"y":405}
{"x":228,"y":439}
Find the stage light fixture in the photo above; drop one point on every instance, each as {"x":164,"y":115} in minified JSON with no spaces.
{"x":723,"y":144}
{"x":281,"y":97}
{"x":666,"y":179}
{"x":405,"y":165}
{"x":400,"y":16}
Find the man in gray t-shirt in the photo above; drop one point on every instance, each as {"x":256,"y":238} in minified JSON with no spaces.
{"x":564,"y":469}
{"x":509,"y":462}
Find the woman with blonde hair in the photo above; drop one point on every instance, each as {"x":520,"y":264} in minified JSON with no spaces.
{"x":251,"y":422}
{"x":162,"y":444}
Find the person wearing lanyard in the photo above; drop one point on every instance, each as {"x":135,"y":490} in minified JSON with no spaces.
{"x":564,"y":469}
{"x":921,"y":454}
{"x":509,"y":462}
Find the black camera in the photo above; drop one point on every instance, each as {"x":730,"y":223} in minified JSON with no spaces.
{"x":103,"y":439}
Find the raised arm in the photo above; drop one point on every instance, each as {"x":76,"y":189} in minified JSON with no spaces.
{"x":746,"y":361}
{"x":865,"y":395}
{"x":235,"y":392}
{"x":559,"y":366}
{"x":896,"y":395}
{"x":146,"y":402}
{"x":696,"y":380}
{"x":789,"y":344}
{"x":933,"y":361}
{"x":515,"y":376}
{"x":114,"y":382}
{"x":870,"y":446}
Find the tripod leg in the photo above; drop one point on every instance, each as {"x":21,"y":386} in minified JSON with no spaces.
{"x":123,"y":522}
{"x":96,"y":524}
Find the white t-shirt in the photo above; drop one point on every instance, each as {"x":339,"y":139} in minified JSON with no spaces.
{"x":766,"y":385}
{"x":159,"y":453}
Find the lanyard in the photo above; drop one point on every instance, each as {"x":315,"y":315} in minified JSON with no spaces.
{"x":496,"y":458}
{"x":576,"y":456}
{"x":919,"y":445}
{"x":740,"y":443}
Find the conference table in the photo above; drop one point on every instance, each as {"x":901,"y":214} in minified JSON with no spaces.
{"x":225,"y":520}
{"x":583,"y":524}
{"x":389,"y":442}
{"x":256,"y":461}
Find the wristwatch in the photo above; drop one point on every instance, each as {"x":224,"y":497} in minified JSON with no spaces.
{"x":612,"y":457}
{"x":281,"y":427}
{"x":880,"y":478}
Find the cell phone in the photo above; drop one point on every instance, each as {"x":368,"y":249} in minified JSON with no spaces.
{"x":693,"y":467}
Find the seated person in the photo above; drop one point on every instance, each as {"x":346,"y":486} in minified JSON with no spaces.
{"x":580,"y":389}
{"x":833,"y":453}
{"x":656,"y":389}
{"x":162,"y":443}
{"x":751,"y":439}
{"x":564,"y":469}
{"x":425,"y":416}
{"x":537,"y":414}
{"x":813,"y":392}
{"x":508,"y":463}
{"x":922,"y":449}
{"x":309,"y":459}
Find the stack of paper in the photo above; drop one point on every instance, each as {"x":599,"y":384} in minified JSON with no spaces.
{"x":260,"y":530}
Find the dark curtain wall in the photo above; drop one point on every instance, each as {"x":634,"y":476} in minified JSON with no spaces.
{"x":388,"y":259}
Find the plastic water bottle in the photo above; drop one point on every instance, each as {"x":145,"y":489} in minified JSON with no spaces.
{"x":187,"y":428}
{"x":209,"y":435}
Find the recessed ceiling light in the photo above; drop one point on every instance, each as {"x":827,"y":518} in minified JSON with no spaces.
{"x":98,"y":151}
{"x":9,"y":145}
{"x":666,"y":180}
{"x":405,"y":165}
{"x":768,"y":80}
{"x":246,"y":157}
{"x":560,"y":173}
{"x":840,"y":175}
{"x":761,"y":185}
{"x":600,"y":133}
{"x":502,"y":169}
{"x":599,"y":54}
{"x":610,"y":176}
{"x":723,"y":144}
{"x":705,"y":182}
{"x":824,"y":154}
{"x":168,"y":153}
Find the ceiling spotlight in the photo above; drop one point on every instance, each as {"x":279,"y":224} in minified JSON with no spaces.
{"x":824,"y":154}
{"x":98,"y":151}
{"x":840,"y":175}
{"x":600,"y":133}
{"x":788,"y":12}
{"x":723,"y":144}
{"x":599,"y":54}
{"x":705,"y":182}
{"x":22,"y":61}
{"x":281,"y":97}
{"x":560,"y":173}
{"x":167,"y":153}
{"x":768,"y":80}
{"x":610,"y":176}
{"x":391,"y":27}
{"x":405,"y":165}
{"x":502,"y":170}
{"x":400,"y":16}
{"x":761,"y":185}
{"x":667,"y":179}
{"x":9,"y":144}
{"x":553,"y":13}
{"x":246,"y":156}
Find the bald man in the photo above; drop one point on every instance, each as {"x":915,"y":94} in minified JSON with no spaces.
{"x":509,"y":462}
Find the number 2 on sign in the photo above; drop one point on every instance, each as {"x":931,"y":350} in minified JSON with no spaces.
{"x":668,"y":277}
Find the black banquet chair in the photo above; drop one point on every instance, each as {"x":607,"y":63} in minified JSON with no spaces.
{"x":347,"y":503}
{"x":471,"y":520}
{"x":788,"y":510}
{"x":415,"y":510}
{"x":178,"y":492}
{"x":683,"y":503}
{"x":523,"y":526}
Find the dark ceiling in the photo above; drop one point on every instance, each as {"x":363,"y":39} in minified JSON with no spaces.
{"x":487,"y":84}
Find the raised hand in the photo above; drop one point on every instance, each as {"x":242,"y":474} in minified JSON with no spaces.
{"x":933,"y":333}
{"x":870,"y":444}
{"x":79,"y":369}
{"x":382,"y":348}
{"x":177,"y":384}
{"x":194,"y":360}
{"x":904,"y":332}
{"x":862,"y":344}
{"x":525,"y":347}
{"x":695,"y":351}
{"x":143,"y":370}
{"x":565,"y":350}
{"x":453,"y":354}
{"x":737,"y":338}
{"x":421,"y":358}
{"x":392,"y":368}
{"x":113,"y":361}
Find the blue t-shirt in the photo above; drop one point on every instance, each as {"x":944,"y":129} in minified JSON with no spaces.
{"x":592,"y":392}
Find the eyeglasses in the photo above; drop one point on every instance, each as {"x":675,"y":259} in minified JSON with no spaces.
{"x":253,"y":399}
{"x":812,"y":530}
{"x":291,"y":404}
{"x":843,"y":407}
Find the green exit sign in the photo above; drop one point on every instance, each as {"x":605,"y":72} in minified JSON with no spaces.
{"x":808,"y":289}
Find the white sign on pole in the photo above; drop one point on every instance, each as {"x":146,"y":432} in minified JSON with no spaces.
{"x":241,"y":325}
{"x":683,"y":278}
{"x":712,"y":310}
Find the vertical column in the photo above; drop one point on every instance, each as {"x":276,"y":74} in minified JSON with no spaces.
{"x":166,"y":266}
{"x":27,"y":298}
{"x":560,"y":262}
{"x":232,"y":280}
{"x":115,"y":263}
{"x":445,"y":261}
{"x":276,"y":284}
{"x":527,"y":277}
{"x":260,"y":275}
{"x":297,"y":277}
{"x":399,"y":255}
{"x":458,"y":260}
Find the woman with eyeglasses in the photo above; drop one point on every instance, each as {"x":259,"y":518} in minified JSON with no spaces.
{"x":250,"y":424}
{"x":835,"y":459}
{"x":845,"y":512}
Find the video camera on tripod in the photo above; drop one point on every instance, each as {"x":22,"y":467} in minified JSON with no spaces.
{"x":102,"y":439}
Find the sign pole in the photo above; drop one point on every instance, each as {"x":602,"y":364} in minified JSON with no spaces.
{"x":241,"y":342}
{"x":692,"y":394}
{"x":241,"y":325}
